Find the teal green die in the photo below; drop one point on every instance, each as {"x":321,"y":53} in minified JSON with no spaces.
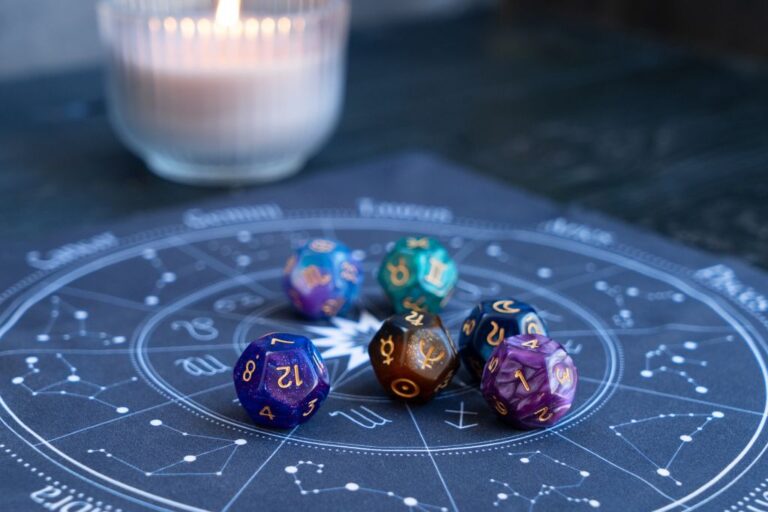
{"x":418,"y":274}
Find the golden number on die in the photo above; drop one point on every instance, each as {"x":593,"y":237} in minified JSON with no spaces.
{"x":532,"y":344}
{"x":544,"y":414}
{"x":496,"y":335}
{"x":286,"y":372}
{"x":405,"y":388}
{"x":415,"y":318}
{"x":398,"y":274}
{"x":386,"y":349}
{"x":505,"y":306}
{"x":267,"y":412}
{"x":311,"y":405}
{"x":520,"y":375}
{"x":500,"y":407}
{"x":278,"y":340}
{"x":468,"y":326}
{"x":250,"y":367}
{"x":493,"y":364}
{"x":427,"y":357}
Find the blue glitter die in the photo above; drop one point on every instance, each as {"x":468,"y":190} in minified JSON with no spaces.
{"x":281,"y":380}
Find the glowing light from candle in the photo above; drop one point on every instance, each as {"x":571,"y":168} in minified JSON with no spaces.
{"x":228,"y":13}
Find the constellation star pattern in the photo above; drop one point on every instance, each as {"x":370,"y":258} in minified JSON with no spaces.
{"x":187,"y":465}
{"x":562,"y":491}
{"x":663,"y":468}
{"x":408,"y":502}
{"x":72,"y":385}
{"x":61,"y":311}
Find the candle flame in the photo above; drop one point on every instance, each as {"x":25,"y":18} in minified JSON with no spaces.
{"x":228,"y":13}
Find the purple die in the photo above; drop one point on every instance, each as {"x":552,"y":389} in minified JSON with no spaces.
{"x":530,"y":381}
{"x":281,"y":380}
{"x":322,"y":278}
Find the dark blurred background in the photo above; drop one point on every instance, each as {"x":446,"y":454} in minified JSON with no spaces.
{"x":653,"y":111}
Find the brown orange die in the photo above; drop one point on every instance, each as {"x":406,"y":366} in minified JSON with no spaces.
{"x":413,"y":356}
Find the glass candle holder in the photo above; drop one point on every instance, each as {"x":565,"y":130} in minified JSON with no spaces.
{"x":225,"y":92}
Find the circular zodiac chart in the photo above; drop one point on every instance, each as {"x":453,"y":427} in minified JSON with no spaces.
{"x":116,"y":379}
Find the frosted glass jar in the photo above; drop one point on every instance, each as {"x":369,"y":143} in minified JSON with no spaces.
{"x":208,"y":100}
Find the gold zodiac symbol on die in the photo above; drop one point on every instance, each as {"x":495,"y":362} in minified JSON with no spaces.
{"x":314,"y":277}
{"x":563,"y":375}
{"x":386,"y":349}
{"x":445,"y":382}
{"x":496,"y":335}
{"x":544,"y":414}
{"x":349,"y":272}
{"x":500,"y":407}
{"x":493,"y":364}
{"x":398,"y":274}
{"x":332,"y":306}
{"x":414,"y":243}
{"x":505,"y":306}
{"x":414,"y":305}
{"x":321,"y":245}
{"x":468,"y":326}
{"x":428,"y":358}
{"x":405,"y":388}
{"x":436,"y":270}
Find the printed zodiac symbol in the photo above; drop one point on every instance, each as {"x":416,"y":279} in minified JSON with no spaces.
{"x":468,"y":326}
{"x":398,"y":274}
{"x":200,"y":328}
{"x":314,"y":277}
{"x":505,"y":306}
{"x":415,"y":243}
{"x":386,"y":348}
{"x":206,"y":366}
{"x":428,"y":359}
{"x":370,"y":421}
{"x":496,"y":335}
{"x":436,"y":270}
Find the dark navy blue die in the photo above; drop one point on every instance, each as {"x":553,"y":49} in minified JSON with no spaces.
{"x":489,"y":323}
{"x":281,"y":380}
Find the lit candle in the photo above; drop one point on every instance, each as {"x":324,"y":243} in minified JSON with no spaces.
{"x":225,"y":98}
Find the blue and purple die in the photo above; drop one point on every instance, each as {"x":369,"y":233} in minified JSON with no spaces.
{"x":281,"y":380}
{"x":322,"y":278}
{"x":489,"y":323}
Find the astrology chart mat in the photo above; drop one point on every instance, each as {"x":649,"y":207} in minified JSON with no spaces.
{"x":117,"y":345}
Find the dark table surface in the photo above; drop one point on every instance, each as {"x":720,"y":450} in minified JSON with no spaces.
{"x":650,"y":134}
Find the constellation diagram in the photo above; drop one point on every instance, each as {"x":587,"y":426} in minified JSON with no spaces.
{"x":61,"y":311}
{"x":408,"y":502}
{"x":673,"y":354}
{"x":575,"y":479}
{"x":72,"y":385}
{"x":620,"y":295}
{"x":190,"y":464}
{"x":687,"y":437}
{"x":165,"y":278}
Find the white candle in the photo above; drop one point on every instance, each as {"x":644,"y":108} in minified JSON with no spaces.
{"x":226,"y":98}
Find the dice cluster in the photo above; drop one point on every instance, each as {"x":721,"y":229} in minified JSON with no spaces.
{"x":528,"y":379}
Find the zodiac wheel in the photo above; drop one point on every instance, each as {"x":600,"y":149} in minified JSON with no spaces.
{"x":131,"y":350}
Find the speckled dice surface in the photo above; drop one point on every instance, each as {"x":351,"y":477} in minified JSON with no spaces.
{"x":281,"y":380}
{"x":530,"y":381}
{"x":413,"y":356}
{"x":322,"y":278}
{"x":489,"y":323}
{"x":418,"y":274}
